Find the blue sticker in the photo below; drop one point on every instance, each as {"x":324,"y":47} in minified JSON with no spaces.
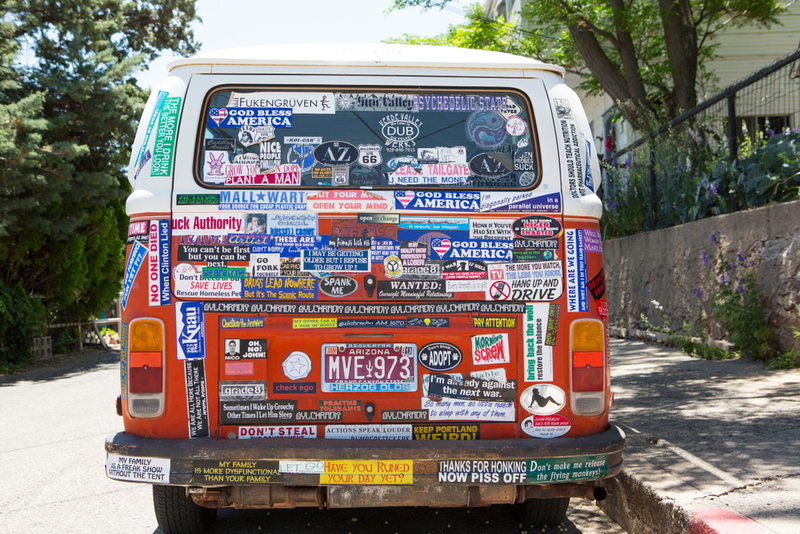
{"x":471,"y":249}
{"x":190,"y":327}
{"x":383,"y":248}
{"x":135,"y":260}
{"x":437,"y":200}
{"x":434,"y":223}
{"x":577,"y":293}
{"x":523,"y":202}
{"x":262,"y":200}
{"x":588,"y":181}
{"x":164,"y":262}
{"x":332,"y":260}
{"x":254,"y":117}
{"x":283,"y":288}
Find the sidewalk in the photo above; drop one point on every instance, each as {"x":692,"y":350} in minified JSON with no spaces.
{"x":713,"y":446}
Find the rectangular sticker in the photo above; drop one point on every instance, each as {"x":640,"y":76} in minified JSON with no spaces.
{"x":404,"y":415}
{"x":494,"y":229}
{"x":239,"y":472}
{"x":159,"y":259}
{"x":592,"y":241}
{"x":447,"y":432}
{"x":257,"y":412}
{"x":314,"y":323}
{"x":373,"y":308}
{"x":243,"y":390}
{"x":483,"y":471}
{"x":206,"y":224}
{"x":340,"y":405}
{"x":468,"y":410}
{"x":538,"y":355}
{"x":300,"y":103}
{"x":472,"y":389}
{"x":196,"y":398}
{"x":164,"y":147}
{"x":302,"y":467}
{"x":437,"y":200}
{"x":413,"y":289}
{"x":490,"y":349}
{"x":283,"y":388}
{"x":534,"y":281}
{"x":435,"y":223}
{"x":336,"y":260}
{"x":494,"y":322}
{"x":123,"y":360}
{"x":567,"y":469}
{"x":370,"y":432}
{"x":256,"y":432}
{"x":241,"y":322}
{"x":283,"y":288}
{"x":144,"y":154}
{"x":138,"y":469}
{"x":373,"y":472}
{"x":577,"y":293}
{"x":190,"y":327}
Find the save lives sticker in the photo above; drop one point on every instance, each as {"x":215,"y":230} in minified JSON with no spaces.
{"x":133,"y":469}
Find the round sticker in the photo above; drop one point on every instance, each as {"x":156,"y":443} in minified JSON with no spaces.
{"x":296,"y":365}
{"x":543,"y":399}
{"x":546,"y":426}
{"x":515,"y":126}
{"x":500,"y":290}
{"x":486,"y":129}
{"x":392,"y":266}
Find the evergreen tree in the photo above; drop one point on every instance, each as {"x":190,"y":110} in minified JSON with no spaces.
{"x":69,"y":108}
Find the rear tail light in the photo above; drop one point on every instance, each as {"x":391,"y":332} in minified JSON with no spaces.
{"x":587,"y":351}
{"x":146,"y":368}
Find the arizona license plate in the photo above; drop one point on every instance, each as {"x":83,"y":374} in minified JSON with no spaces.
{"x":369,"y":367}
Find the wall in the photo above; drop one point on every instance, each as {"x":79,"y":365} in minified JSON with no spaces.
{"x":667,"y":266}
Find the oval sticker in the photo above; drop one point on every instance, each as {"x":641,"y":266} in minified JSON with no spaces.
{"x":336,"y":153}
{"x":546,"y":426}
{"x":439,"y":356}
{"x":338,"y":286}
{"x":537,"y":226}
{"x":487,"y":166}
{"x":543,"y":399}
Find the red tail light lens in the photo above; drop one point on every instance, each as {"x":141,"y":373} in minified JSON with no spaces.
{"x":587,"y":371}
{"x":145,"y":372}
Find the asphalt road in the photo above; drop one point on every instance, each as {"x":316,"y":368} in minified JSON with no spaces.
{"x":53,"y":423}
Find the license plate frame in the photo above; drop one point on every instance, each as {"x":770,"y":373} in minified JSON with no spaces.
{"x":369,"y":367}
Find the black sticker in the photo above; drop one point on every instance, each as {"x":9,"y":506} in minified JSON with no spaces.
{"x":535,"y":244}
{"x":536,"y":227}
{"x":472,"y":389}
{"x":305,"y":416}
{"x":447,"y":432}
{"x":243,"y":390}
{"x":349,"y":242}
{"x":440,"y":356}
{"x":371,"y":323}
{"x":238,"y":472}
{"x":528,"y":255}
{"x":294,"y":387}
{"x":227,"y":145}
{"x":379,"y":218}
{"x":196,"y":402}
{"x":336,"y":153}
{"x":355,"y":308}
{"x":404,"y":415}
{"x":413,"y":289}
{"x":597,"y":285}
{"x":489,"y":166}
{"x":463,"y":270}
{"x":435,"y":322}
{"x":339,"y":405}
{"x":257,"y":412}
{"x":213,"y":253}
{"x":338,"y":286}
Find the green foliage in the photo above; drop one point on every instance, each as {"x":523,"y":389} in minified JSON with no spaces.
{"x":694,"y":182}
{"x":69,"y":107}
{"x":21,"y":319}
{"x":737,"y":304}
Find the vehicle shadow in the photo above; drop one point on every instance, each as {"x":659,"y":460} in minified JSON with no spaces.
{"x":63,"y":366}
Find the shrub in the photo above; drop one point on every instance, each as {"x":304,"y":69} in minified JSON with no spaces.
{"x":21,"y":319}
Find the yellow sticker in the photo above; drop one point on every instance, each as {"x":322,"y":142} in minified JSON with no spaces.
{"x":368,"y":472}
{"x":314,"y":323}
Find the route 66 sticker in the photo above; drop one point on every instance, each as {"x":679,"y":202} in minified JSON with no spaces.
{"x":369,"y":155}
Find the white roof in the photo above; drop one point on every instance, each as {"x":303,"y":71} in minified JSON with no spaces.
{"x":364,"y":55}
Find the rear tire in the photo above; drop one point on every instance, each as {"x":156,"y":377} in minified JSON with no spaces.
{"x":177,"y":513}
{"x":539,"y":512}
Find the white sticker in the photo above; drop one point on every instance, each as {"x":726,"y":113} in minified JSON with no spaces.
{"x":254,"y":432}
{"x":530,"y":281}
{"x":188,"y":283}
{"x":265,"y":265}
{"x":495,"y":229}
{"x":462,"y":286}
{"x":490,"y":349}
{"x":138,"y":469}
{"x":305,"y":468}
{"x":546,"y":426}
{"x":466,"y":410}
{"x":543,"y":399}
{"x":538,"y":356}
{"x":498,"y":375}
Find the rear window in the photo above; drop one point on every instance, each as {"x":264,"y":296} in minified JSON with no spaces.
{"x":465,"y":139}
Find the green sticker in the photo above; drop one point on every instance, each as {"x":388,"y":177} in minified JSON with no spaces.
{"x":198,"y":200}
{"x":164,"y":148}
{"x":569,"y":469}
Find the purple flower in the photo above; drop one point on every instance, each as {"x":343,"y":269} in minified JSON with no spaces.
{"x":705,"y":258}
{"x":714,"y":238}
{"x":771,"y":132}
{"x":741,"y":259}
{"x":741,"y":289}
{"x":713,"y":189}
{"x":698,"y":293}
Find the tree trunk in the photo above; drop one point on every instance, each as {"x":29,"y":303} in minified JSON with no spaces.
{"x":680,"y":36}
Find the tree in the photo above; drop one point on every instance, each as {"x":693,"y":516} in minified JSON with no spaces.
{"x":647,"y":55}
{"x":68,"y":112}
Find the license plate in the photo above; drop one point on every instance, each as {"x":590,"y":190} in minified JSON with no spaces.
{"x":369,"y":367}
